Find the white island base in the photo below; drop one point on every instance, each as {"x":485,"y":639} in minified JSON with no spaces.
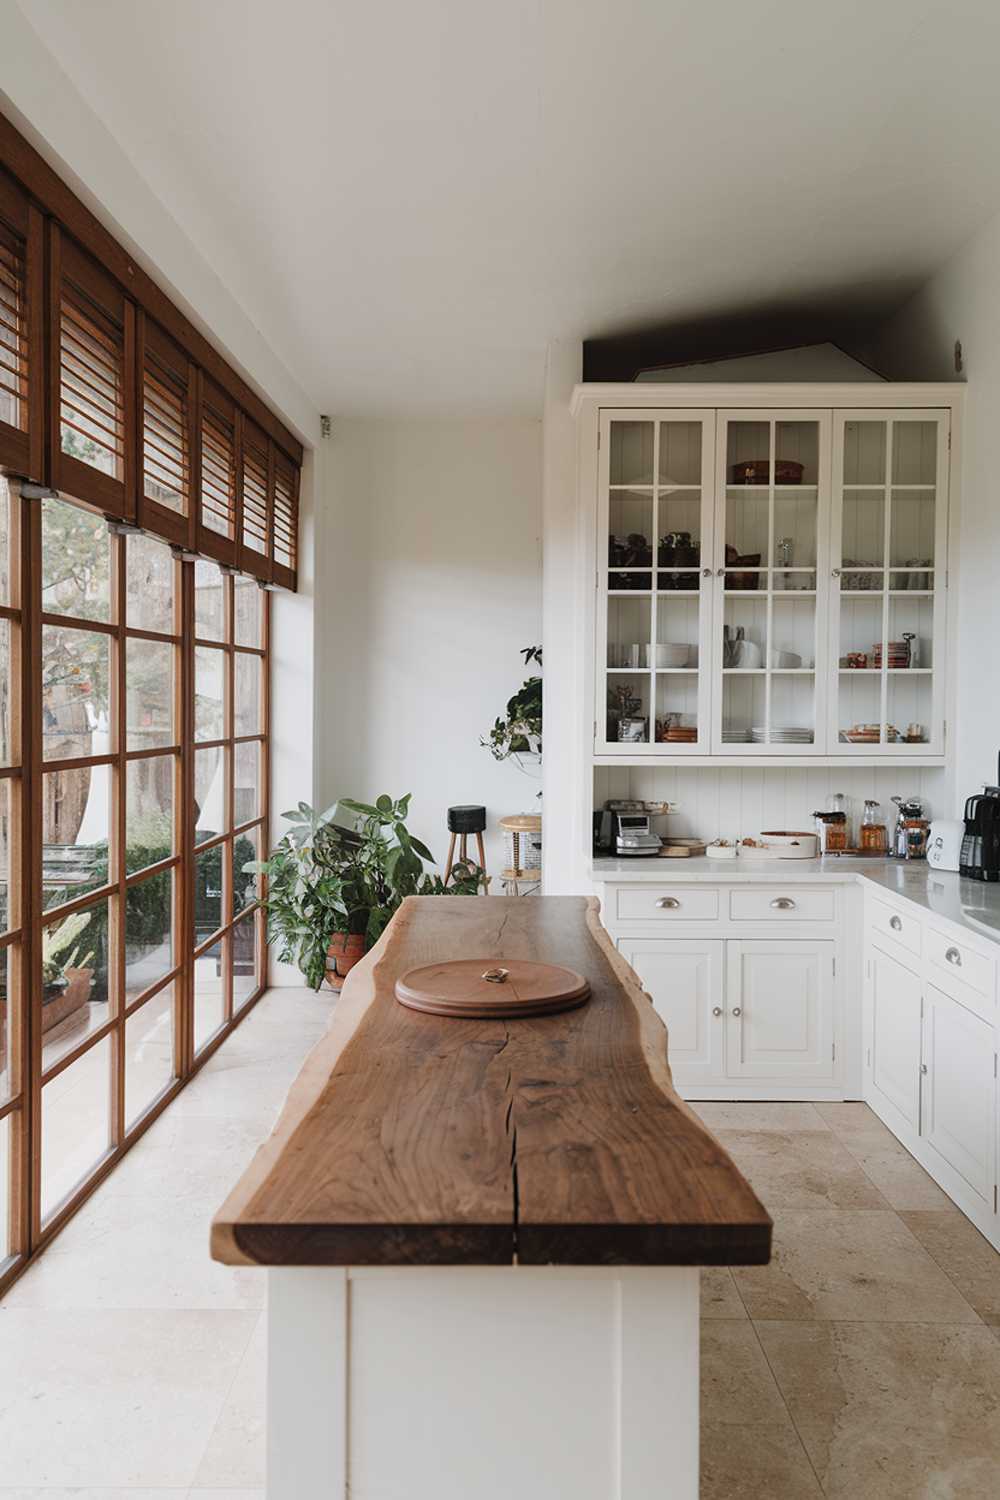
{"x":483,"y":1383}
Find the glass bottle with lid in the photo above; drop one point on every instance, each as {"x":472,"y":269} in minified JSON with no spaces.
{"x":874,"y":834}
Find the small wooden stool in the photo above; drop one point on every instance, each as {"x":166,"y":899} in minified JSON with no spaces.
{"x":463,"y":821}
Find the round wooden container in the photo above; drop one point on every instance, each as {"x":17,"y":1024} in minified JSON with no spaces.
{"x":516,"y":987}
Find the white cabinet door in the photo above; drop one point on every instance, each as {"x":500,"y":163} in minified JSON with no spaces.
{"x":895,"y":1020}
{"x":684,"y":980}
{"x":958,"y":1090}
{"x":780,"y":999}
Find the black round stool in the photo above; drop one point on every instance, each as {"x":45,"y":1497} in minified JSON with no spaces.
{"x":463,"y":820}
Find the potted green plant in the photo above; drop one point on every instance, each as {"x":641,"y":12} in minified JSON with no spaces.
{"x":67,"y":976}
{"x":519,"y":731}
{"x":332,"y":886}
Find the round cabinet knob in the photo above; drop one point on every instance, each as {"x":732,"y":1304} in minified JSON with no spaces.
{"x":954,"y":957}
{"x":923,"y":1067}
{"x":668,"y":903}
{"x":720,"y":572}
{"x":716,"y":1010}
{"x":737,"y":1010}
{"x":706,"y":572}
{"x":896,"y":923}
{"x":834,"y":572}
{"x":783,"y":903}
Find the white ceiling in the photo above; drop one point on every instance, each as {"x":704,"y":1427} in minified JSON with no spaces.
{"x":411,"y":198}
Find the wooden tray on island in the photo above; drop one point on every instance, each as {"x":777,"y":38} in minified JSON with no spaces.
{"x":485,"y":988}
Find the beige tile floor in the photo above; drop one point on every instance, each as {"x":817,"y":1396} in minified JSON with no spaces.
{"x":863,"y":1363}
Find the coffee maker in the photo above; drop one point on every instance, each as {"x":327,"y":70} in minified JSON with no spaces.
{"x":980,"y":858}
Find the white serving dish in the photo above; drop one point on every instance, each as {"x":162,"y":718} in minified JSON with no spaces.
{"x":717,"y":851}
{"x":792,"y":845}
{"x":784,"y":660}
{"x":667,"y":655}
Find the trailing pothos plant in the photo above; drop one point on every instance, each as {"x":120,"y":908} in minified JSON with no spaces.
{"x":329,"y":876}
{"x":519,"y":732}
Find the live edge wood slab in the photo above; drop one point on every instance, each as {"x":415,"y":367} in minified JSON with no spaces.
{"x":412,"y":1139}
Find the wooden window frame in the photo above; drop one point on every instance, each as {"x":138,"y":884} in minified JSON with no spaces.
{"x":28,"y":917}
{"x":22,"y":449}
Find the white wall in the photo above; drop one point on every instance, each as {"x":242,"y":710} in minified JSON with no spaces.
{"x":428,"y":585}
{"x":963,"y":302}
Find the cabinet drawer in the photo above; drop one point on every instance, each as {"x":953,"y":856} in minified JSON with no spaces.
{"x":899,"y":926}
{"x":960,"y":962}
{"x":678,"y":903}
{"x":777,"y":905}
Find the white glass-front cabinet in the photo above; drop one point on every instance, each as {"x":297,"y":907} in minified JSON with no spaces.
{"x":770,"y":582}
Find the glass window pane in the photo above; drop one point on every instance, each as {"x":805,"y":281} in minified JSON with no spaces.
{"x":248,"y":705}
{"x":628,"y":707}
{"x":148,"y":933}
{"x":246,"y":951}
{"x":680,"y":453}
{"x":914,"y":452}
{"x":8,"y":915}
{"x":7,"y":750}
{"x":911,"y":533}
{"x":210,"y":793}
{"x":628,"y":634}
{"x":76,"y":812}
{"x":208,"y":892}
{"x":209,"y":993}
{"x":248,"y":608}
{"x":8,"y":1001}
{"x":76,"y":562}
{"x":5,"y":597}
{"x":149,"y":1054}
{"x":149,"y":584}
{"x":149,"y":804}
{"x":76,"y":997}
{"x":246,"y":791}
{"x":76,"y":1124}
{"x":209,"y":680}
{"x":864,"y":453}
{"x":246,"y":883}
{"x":149,"y":694}
{"x":209,"y":602}
{"x":796,"y":453}
{"x":6,"y":1214}
{"x":748,"y":453}
{"x":75,"y":678}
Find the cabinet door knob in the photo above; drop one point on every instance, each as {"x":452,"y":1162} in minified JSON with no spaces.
{"x":896,"y":923}
{"x":706,"y":572}
{"x":716,"y":1010}
{"x":783,"y":903}
{"x":954,"y":957}
{"x":923,"y":1067}
{"x":720,"y":572}
{"x":737,"y":1011}
{"x":669,"y":903}
{"x":834,"y":572}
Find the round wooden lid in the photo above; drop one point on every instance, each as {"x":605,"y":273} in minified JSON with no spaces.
{"x":515,"y":987}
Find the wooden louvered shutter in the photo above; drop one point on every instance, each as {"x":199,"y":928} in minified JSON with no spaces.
{"x":22,"y":391}
{"x":216,"y":520}
{"x":255,"y":501}
{"x":285,"y":528}
{"x":93,"y":360}
{"x":166,"y":434}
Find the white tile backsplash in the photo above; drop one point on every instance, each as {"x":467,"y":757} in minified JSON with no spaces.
{"x":739,"y":803}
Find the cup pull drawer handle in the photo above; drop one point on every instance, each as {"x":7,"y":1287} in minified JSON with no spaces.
{"x":896,"y":923}
{"x":783,"y":903}
{"x":716,"y":1010}
{"x":668,"y":903}
{"x":954,"y":957}
{"x":737,"y":1011}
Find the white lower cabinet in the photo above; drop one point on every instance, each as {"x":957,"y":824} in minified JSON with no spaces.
{"x":958,"y":1090}
{"x":781,"y":1016}
{"x":685,"y":981}
{"x":741,"y":1011}
{"x":896,"y":999}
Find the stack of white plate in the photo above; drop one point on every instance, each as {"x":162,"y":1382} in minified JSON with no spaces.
{"x":782,"y":734}
{"x":735,"y":736}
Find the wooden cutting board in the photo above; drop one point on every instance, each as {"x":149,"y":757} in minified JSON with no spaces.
{"x":468,"y":988}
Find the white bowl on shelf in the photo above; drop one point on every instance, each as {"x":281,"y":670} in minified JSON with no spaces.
{"x":784,"y":661}
{"x":668,"y":654}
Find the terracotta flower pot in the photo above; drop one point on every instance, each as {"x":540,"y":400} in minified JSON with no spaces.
{"x":343,"y":953}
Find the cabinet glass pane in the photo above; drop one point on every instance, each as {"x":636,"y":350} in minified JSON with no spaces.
{"x":679,"y":539}
{"x":748,"y":453}
{"x":747,"y":521}
{"x":680,"y":453}
{"x":864,"y":452}
{"x":631,"y":457}
{"x":677,"y":630}
{"x":862,"y":548}
{"x":914,"y":452}
{"x":911,"y":532}
{"x":911,"y":632}
{"x":628,"y":633}
{"x":628,"y":713}
{"x":793,"y":545}
{"x":677,"y":708}
{"x":796,"y":447}
{"x":908,"y":708}
{"x":630,"y":540}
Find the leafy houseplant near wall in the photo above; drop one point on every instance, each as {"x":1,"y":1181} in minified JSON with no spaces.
{"x":519,"y":732}
{"x":332,"y":889}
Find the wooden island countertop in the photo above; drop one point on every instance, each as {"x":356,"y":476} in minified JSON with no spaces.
{"x":411,"y":1139}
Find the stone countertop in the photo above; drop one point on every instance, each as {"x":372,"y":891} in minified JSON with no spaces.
{"x":972,"y":904}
